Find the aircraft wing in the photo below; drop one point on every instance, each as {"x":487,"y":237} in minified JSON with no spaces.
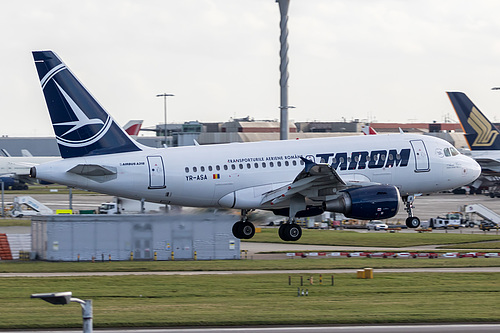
{"x":315,"y":181}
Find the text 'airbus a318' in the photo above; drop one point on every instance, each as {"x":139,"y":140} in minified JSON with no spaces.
{"x":362,"y":177}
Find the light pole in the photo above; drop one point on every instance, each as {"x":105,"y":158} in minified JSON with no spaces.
{"x":165,"y":95}
{"x":65,"y":298}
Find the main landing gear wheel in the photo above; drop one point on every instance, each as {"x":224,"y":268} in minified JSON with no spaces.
{"x":290,"y":232}
{"x":412,"y":222}
{"x":243,"y":230}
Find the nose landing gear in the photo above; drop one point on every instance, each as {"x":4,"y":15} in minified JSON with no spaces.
{"x":411,"y":221}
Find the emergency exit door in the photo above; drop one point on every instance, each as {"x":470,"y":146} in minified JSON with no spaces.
{"x":421,"y":156}
{"x":156,"y":172}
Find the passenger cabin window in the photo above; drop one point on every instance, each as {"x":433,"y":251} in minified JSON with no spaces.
{"x":210,"y":168}
{"x":202,"y":169}
{"x":225,"y":166}
{"x":186,"y":169}
{"x":195,"y":169}
{"x":217,"y":167}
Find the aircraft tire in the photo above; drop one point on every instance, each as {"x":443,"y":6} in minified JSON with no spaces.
{"x":246,"y":230}
{"x":236,"y":230}
{"x":281,"y":232}
{"x":412,"y":222}
{"x":290,"y":232}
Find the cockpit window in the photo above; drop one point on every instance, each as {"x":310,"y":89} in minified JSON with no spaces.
{"x":454,"y":152}
{"x":447,"y":152}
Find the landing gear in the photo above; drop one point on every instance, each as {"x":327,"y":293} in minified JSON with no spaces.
{"x":290,"y":232}
{"x":243,"y":229}
{"x":411,"y":221}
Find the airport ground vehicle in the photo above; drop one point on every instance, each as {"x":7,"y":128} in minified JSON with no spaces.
{"x":488,"y":225}
{"x":376,"y":225}
{"x":490,"y":219}
{"x":128,"y":206}
{"x":450,"y":220}
{"x":28,"y":206}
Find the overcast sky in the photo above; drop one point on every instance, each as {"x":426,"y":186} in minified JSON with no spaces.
{"x":376,"y":60}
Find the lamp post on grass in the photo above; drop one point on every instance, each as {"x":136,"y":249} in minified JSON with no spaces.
{"x":64,"y":298}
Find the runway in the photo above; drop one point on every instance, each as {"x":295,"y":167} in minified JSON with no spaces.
{"x":428,"y":328}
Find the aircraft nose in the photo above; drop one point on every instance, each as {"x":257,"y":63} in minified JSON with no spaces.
{"x":472,"y":169}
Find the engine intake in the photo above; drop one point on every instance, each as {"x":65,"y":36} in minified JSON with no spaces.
{"x":366,"y":203}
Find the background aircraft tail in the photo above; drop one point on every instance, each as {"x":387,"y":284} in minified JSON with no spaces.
{"x":480,"y":133}
{"x":368,"y":130}
{"x":82,"y":127}
{"x":133,"y":127}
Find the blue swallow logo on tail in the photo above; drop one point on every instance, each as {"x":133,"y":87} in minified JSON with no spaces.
{"x":81,"y":125}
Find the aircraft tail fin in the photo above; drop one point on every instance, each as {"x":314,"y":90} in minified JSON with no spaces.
{"x":81,"y":125}
{"x":133,"y":127}
{"x":368,"y":130}
{"x":480,"y":133}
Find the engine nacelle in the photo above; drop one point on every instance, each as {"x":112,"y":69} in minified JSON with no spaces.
{"x":366,"y":203}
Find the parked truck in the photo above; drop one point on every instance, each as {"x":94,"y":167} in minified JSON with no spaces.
{"x":450,"y":220}
{"x":129,"y":206}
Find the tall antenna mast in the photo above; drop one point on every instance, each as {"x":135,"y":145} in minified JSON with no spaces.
{"x":284,"y":4}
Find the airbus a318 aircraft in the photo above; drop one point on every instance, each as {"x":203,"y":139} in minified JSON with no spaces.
{"x":361,"y":177}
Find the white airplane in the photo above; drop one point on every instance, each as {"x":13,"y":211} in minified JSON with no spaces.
{"x":360,"y":176}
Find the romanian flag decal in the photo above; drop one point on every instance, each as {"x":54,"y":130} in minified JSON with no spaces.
{"x":216,"y":175}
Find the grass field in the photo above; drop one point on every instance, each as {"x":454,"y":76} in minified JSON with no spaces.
{"x":149,"y":301}
{"x":474,"y":246}
{"x":376,"y":239}
{"x":15,"y":222}
{"x":238,"y":265}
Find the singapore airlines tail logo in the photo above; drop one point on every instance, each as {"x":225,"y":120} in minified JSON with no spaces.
{"x":83,"y":120}
{"x":486,"y":135}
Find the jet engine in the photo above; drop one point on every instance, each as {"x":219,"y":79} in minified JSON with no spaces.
{"x":366,"y":203}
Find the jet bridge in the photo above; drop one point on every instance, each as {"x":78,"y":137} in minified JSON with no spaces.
{"x":484,"y":212}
